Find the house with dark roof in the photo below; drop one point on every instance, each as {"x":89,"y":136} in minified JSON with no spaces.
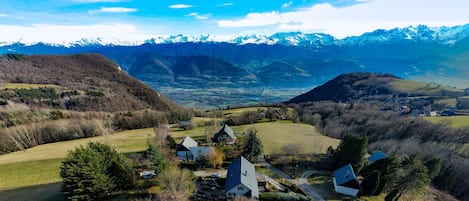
{"x":378,"y":155}
{"x":241,"y":180}
{"x":183,"y":151}
{"x":225,"y":135}
{"x":345,"y":181}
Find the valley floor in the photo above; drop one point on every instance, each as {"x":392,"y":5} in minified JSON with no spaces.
{"x":228,"y":97}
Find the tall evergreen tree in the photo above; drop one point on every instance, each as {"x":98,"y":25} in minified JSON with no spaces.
{"x":371,"y":183}
{"x":158,"y":161}
{"x":352,"y":149}
{"x":253,"y":147}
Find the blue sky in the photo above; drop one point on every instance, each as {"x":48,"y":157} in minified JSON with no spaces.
{"x":136,"y":20}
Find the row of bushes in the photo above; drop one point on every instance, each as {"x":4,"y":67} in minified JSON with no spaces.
{"x":26,"y":136}
{"x":271,"y":196}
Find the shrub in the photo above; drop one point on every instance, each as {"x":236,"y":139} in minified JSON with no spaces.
{"x":3,"y":102}
{"x":40,"y":93}
{"x":136,"y":120}
{"x":95,"y":93}
{"x":56,"y":114}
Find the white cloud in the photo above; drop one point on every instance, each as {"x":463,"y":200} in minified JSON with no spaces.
{"x":359,"y":18}
{"x":113,"y":10}
{"x":97,"y":1}
{"x":53,"y":33}
{"x":180,"y":6}
{"x":288,"y":4}
{"x":3,"y":15}
{"x":254,"y":20}
{"x":199,"y":16}
{"x":225,"y":4}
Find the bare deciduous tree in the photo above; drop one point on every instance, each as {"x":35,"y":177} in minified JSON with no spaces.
{"x":176,"y":184}
{"x":291,"y":149}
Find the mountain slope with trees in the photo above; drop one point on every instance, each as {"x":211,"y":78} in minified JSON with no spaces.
{"x":78,"y":82}
{"x":354,"y":86}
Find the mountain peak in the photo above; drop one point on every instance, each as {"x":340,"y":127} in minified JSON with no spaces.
{"x":442,"y":35}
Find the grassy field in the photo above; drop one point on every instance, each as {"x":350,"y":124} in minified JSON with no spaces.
{"x":240,"y":110}
{"x":179,"y":134}
{"x":454,"y":121}
{"x":40,"y":165}
{"x":451,"y":102}
{"x":275,"y":135}
{"x":416,"y":86}
{"x":27,"y":86}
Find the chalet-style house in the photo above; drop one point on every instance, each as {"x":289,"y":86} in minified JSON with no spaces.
{"x":225,"y":135}
{"x":241,"y":180}
{"x":378,"y":155}
{"x":345,"y":181}
{"x":189,"y":150}
{"x":183,"y":150}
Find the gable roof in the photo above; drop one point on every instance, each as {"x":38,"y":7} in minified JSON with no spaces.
{"x":241,"y":171}
{"x":377,"y":156}
{"x":226,"y":129}
{"x":187,"y":143}
{"x":344,"y":175}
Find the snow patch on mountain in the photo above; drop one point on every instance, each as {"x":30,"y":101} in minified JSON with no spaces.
{"x":443,"y":35}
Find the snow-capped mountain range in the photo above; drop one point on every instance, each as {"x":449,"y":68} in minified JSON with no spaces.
{"x":444,"y":35}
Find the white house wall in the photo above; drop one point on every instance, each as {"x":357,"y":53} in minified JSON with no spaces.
{"x":237,"y":191}
{"x":344,"y":190}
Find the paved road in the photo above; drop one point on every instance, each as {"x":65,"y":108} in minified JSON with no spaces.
{"x":301,"y":182}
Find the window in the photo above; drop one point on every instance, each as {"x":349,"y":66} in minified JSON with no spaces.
{"x":231,"y":194}
{"x":240,"y":188}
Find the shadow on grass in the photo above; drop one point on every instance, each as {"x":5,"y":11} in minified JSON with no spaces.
{"x":43,"y":192}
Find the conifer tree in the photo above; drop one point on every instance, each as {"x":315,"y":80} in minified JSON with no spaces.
{"x":253,"y":147}
{"x":94,"y":172}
